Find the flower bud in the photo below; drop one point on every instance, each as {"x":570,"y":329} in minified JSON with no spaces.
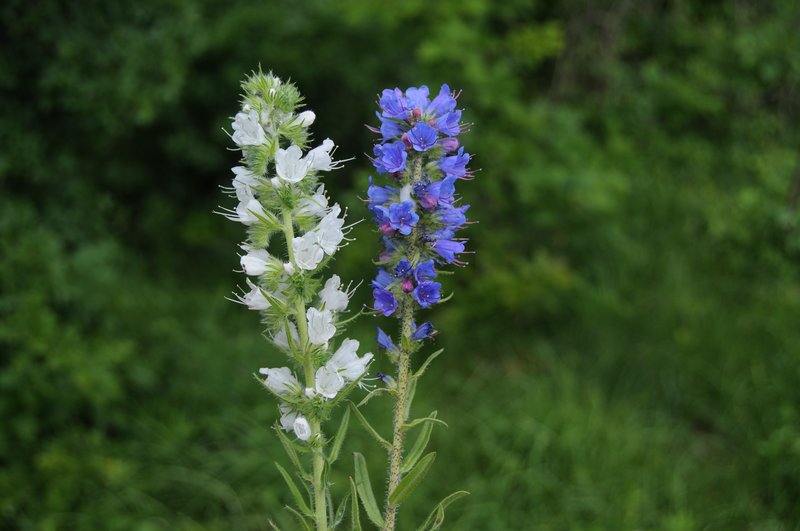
{"x":416,"y":113}
{"x":306,"y":118}
{"x":408,"y":285}
{"x":449,"y":144}
{"x":302,"y":428}
{"x":405,"y":140}
{"x":386,"y":228}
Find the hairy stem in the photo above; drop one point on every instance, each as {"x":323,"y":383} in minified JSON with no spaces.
{"x":320,"y":510}
{"x":402,"y":406}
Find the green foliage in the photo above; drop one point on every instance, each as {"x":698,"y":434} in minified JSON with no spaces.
{"x":621,"y":353}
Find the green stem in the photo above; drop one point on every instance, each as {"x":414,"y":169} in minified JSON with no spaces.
{"x":402,"y":402}
{"x":318,"y":463}
{"x":401,"y":408}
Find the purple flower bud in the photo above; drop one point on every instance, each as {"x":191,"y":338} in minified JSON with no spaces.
{"x":405,"y":140}
{"x":407,"y":285}
{"x":416,"y":114}
{"x":386,"y":228}
{"x":449,"y":144}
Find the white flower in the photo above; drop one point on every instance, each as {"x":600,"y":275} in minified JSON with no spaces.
{"x":302,"y":428}
{"x":248,"y":211}
{"x":253,"y":299}
{"x":328,"y":381}
{"x":255,"y":262}
{"x":310,"y":392}
{"x":332,"y":297}
{"x":280,"y":338}
{"x":329,"y":231}
{"x":290,"y":164}
{"x":244,"y":182}
{"x":288,"y":268}
{"x":246,"y":129}
{"x":280,"y":381}
{"x":306,"y":118}
{"x":288,"y":415}
{"x":316,"y":205}
{"x":307,"y":251}
{"x":320,"y":156}
{"x":320,"y":326}
{"x":347,"y":363}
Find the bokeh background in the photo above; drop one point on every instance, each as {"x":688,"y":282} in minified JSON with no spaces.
{"x":623,"y":351}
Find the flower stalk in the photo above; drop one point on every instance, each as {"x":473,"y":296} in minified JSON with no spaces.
{"x":278,"y":186}
{"x":418,"y":217}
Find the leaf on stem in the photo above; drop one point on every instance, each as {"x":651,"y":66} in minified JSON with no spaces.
{"x":372,"y":394}
{"x":355,"y":518}
{"x":411,"y":480}
{"x":419,"y":445}
{"x":364,"y":488}
{"x":300,"y":518}
{"x":298,"y":498}
{"x":435,"y":519}
{"x":369,"y":428}
{"x":429,"y":420}
{"x":290,"y":448}
{"x":428,"y":361}
{"x":339,"y":438}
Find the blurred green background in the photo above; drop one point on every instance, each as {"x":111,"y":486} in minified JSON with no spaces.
{"x":623,"y":351}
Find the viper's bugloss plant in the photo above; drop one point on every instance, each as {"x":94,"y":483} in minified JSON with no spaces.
{"x":419,"y":217}
{"x":281,"y":197}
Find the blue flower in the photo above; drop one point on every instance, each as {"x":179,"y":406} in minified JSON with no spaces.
{"x":425,"y":271}
{"x":422,"y":136}
{"x":455,"y":166}
{"x":427,"y":293}
{"x":390,"y":158}
{"x":402,"y":217}
{"x":402,"y":269}
{"x":384,"y":340}
{"x":447,"y":249}
{"x":390,"y":128}
{"x":423,"y":331}
{"x":417,"y":98}
{"x":379,"y":195}
{"x":384,"y":301}
{"x":450,"y":123}
{"x":443,"y":103}
{"x":452,"y":217}
{"x":437,"y":193}
{"x":393,"y":104}
{"x":383,"y":279}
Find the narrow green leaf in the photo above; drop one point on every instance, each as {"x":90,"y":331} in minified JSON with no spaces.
{"x":428,"y":420}
{"x":369,"y":428}
{"x":411,"y":480}
{"x":419,"y":445}
{"x":435,"y":519}
{"x":364,"y":488}
{"x":298,"y":498}
{"x":339,"y":516}
{"x":339,"y":438}
{"x":427,"y":362}
{"x":412,"y":390}
{"x":355,"y":518}
{"x":273,"y":525}
{"x":372,"y":394}
{"x":300,"y":518}
{"x":290,"y":449}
